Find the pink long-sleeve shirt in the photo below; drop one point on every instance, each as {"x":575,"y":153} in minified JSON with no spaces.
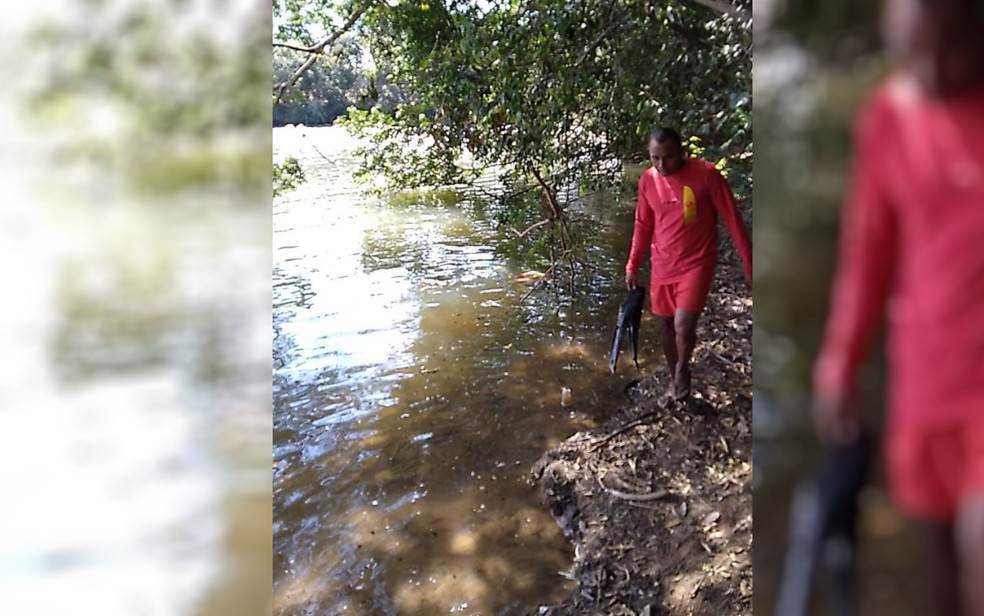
{"x":912,"y":246}
{"x":676,"y":221}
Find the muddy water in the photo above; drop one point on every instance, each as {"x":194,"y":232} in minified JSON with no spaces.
{"x":412,"y":392}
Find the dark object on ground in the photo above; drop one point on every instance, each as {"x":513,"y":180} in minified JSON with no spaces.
{"x":631,"y":390}
{"x":629,"y":317}
{"x":822,"y":525}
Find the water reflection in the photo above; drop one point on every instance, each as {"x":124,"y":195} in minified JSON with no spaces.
{"x":412,"y":392}
{"x":144,"y":419}
{"x":135,"y":400}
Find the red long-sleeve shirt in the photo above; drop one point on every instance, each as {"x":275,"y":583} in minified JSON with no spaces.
{"x":676,"y":221}
{"x":912,"y":245}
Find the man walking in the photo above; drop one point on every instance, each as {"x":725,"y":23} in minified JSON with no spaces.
{"x":913,"y":233}
{"x":676,"y":215}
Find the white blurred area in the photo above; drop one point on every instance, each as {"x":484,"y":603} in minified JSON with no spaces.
{"x":135,"y":389}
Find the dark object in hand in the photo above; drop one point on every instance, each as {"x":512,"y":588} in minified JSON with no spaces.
{"x":822,"y":525}
{"x":629,"y":317}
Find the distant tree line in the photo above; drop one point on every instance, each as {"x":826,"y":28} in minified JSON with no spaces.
{"x":345,"y":78}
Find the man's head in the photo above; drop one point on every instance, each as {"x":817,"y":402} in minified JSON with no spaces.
{"x":666,"y":151}
{"x":941,"y":42}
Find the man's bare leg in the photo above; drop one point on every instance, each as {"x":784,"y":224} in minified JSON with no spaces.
{"x":969,"y":534}
{"x":667,"y":334}
{"x":685,"y":326}
{"x":942,"y":568}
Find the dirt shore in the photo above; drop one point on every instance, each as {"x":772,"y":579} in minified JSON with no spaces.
{"x":658,"y":500}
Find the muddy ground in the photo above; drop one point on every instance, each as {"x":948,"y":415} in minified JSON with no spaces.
{"x":658,"y":500}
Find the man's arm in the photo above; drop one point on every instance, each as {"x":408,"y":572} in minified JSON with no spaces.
{"x":862,"y":283}
{"x":724,"y":202}
{"x":642,"y":234}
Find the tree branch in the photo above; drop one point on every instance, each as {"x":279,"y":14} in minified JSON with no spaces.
{"x":594,"y":45}
{"x":551,"y":198}
{"x":722,"y":7}
{"x":520,"y":234}
{"x":317,"y":50}
{"x":294,"y":47}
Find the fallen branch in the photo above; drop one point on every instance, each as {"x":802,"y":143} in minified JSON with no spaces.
{"x":625,"y":428}
{"x":320,"y":153}
{"x":542,"y":280}
{"x":721,"y":358}
{"x":631,"y":496}
{"x":634,"y":496}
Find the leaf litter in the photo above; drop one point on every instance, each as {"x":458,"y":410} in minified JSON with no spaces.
{"x":658,"y":500}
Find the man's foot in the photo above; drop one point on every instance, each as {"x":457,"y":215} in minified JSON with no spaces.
{"x":681,"y":385}
{"x":671,"y":390}
{"x":670,"y":395}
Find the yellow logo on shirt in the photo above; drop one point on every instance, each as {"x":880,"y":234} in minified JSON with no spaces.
{"x":689,"y":206}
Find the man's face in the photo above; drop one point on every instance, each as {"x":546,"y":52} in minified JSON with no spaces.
{"x":936,"y":39}
{"x":666,"y":156}
{"x":905,"y":28}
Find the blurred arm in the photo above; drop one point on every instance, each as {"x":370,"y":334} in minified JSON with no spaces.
{"x":724,"y":202}
{"x":863,"y":279}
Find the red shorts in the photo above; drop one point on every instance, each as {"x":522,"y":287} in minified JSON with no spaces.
{"x":688,"y":294}
{"x":930,"y":471}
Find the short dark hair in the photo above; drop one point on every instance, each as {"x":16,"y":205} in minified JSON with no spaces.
{"x":665,"y":133}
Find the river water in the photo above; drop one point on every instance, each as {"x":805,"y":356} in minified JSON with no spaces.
{"x":135,"y":398}
{"x":413,"y":391}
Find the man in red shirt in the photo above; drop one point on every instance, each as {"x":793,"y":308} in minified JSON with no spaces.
{"x":676,"y":216}
{"x":912,"y":245}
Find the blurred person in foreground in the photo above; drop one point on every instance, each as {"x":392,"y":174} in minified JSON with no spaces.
{"x":680,"y":199}
{"x":912,"y":247}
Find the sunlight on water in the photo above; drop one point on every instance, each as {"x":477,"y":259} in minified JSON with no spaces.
{"x":135,"y":395}
{"x":412,"y":393}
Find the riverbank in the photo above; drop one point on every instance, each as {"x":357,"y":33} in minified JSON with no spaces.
{"x":658,"y":500}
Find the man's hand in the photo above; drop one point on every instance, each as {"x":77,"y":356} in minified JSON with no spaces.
{"x":631,"y":281}
{"x":835,"y":420}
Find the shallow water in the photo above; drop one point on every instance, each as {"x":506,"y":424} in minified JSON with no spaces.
{"x":413,"y":391}
{"x":137,"y":402}
{"x":135,"y":396}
